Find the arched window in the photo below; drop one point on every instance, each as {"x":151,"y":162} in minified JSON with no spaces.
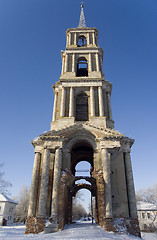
{"x":82,"y":42}
{"x":82,"y":67}
{"x":82,"y":107}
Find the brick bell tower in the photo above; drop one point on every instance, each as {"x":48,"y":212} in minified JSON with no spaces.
{"x":82,"y":129}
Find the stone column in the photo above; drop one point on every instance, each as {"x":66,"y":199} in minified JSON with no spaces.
{"x":67,"y":42}
{"x":56,"y":178}
{"x":66,"y":63}
{"x":130,"y":185}
{"x":34,"y":186}
{"x":75,"y":43}
{"x":101,"y":102}
{"x":71,"y":103}
{"x":109,"y":105}
{"x":63,"y":62}
{"x":93,"y":35}
{"x":62,"y":111}
{"x":73,"y":62}
{"x":106,"y":176}
{"x":90,"y":63}
{"x":44,"y":184}
{"x":97,"y":62}
{"x":101,"y":63}
{"x":92,"y":102}
{"x":69,"y":38}
{"x":87,"y":39}
{"x":54,"y":107}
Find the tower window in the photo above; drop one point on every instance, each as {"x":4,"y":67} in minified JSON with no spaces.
{"x":82,"y":67}
{"x":82,"y":42}
{"x":82,"y":107}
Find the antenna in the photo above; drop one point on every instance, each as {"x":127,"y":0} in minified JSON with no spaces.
{"x":82,"y":22}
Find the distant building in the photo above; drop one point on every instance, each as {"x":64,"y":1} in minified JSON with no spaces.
{"x":7,"y":210}
{"x":147,"y":216}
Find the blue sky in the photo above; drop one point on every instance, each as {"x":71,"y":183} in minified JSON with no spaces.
{"x":32,"y":36}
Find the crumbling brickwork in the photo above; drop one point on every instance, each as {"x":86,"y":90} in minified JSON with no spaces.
{"x":35,"y":225}
{"x":98,"y":175}
{"x":66,"y":180}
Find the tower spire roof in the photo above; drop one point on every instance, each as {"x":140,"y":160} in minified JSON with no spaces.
{"x":82,"y":22}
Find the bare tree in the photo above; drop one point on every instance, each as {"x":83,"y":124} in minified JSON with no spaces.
{"x":147,"y":195}
{"x":78,"y":211}
{"x":3,"y":183}
{"x":22,"y":207}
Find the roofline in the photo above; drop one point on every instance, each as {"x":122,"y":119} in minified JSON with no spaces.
{"x":81,"y":28}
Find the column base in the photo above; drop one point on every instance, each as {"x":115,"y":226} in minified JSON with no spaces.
{"x":35,"y":225}
{"x":51,"y":228}
{"x":133,"y":227}
{"x":127,"y":225}
{"x":109,"y":224}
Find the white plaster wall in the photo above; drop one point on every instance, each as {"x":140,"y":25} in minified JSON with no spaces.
{"x":8,"y":212}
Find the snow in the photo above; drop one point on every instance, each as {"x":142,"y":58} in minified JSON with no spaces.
{"x":146,"y":206}
{"x":80,"y":231}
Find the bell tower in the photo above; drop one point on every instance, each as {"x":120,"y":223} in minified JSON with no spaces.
{"x":82,"y":93}
{"x":82,"y":129}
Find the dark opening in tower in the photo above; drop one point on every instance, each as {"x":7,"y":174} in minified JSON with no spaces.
{"x":82,"y":107}
{"x":82,"y":67}
{"x":82,"y":42}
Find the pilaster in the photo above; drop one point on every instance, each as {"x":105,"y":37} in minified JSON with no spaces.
{"x":97,"y":62}
{"x":92,"y":101}
{"x":66,"y":62}
{"x":62,"y":112}
{"x":93,"y":36}
{"x":73,"y":62}
{"x":130,"y":185}
{"x":71,"y":103}
{"x":109,"y":105}
{"x":54,"y":107}
{"x":101,"y":102}
{"x":90,"y":63}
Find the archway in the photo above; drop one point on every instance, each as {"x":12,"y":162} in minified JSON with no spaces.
{"x":83,"y":205}
{"x":81,"y":151}
{"x":81,"y":167}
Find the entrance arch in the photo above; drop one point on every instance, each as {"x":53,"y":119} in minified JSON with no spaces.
{"x":81,"y":151}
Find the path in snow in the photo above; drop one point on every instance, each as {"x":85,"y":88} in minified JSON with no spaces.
{"x":79,"y":231}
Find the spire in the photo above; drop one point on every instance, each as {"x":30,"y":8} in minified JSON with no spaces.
{"x":82,"y":22}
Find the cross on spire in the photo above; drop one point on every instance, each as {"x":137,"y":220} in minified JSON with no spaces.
{"x":82,"y":22}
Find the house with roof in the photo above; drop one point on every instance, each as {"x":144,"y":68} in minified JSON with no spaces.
{"x":147,"y":216}
{"x":7,"y":210}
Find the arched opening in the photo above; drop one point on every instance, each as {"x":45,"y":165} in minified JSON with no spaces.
{"x":81,"y":107}
{"x":83,"y":205}
{"x":82,"y":152}
{"x":82,"y":67}
{"x":83,"y":168}
{"x":82,"y":42}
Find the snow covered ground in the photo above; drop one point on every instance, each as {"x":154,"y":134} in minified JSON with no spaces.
{"x":80,"y":231}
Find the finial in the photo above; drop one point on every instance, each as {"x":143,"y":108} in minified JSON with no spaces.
{"x":82,"y":22}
